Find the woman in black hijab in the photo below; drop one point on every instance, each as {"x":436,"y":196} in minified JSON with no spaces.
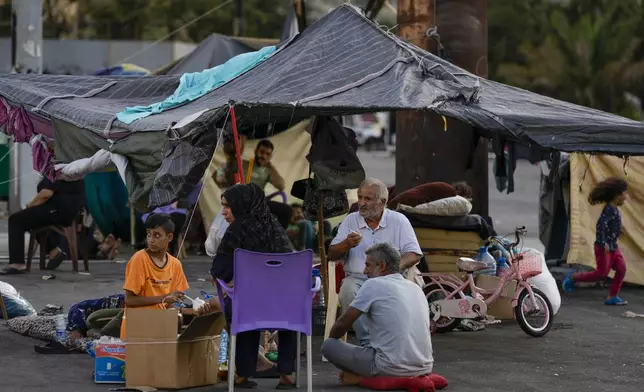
{"x":252,"y":227}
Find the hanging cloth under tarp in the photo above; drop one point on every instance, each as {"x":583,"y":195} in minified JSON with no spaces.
{"x":106,"y":198}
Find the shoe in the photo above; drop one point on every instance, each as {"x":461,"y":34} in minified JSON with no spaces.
{"x":568,"y":283}
{"x":615,"y":301}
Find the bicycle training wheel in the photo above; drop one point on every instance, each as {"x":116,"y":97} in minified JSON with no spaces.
{"x":526,"y":313}
{"x":433,"y":293}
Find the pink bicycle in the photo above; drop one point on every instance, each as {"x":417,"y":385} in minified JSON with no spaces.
{"x":452,"y":299}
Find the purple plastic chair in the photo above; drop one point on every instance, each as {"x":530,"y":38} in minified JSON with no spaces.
{"x":272,"y":291}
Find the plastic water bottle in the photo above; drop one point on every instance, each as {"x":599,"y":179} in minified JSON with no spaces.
{"x":61,"y":328}
{"x":485,"y":257}
{"x":319,"y":297}
{"x":322,"y":303}
{"x":223,"y":348}
{"x":502,"y":267}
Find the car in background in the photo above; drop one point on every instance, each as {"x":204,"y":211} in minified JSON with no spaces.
{"x":369,"y":130}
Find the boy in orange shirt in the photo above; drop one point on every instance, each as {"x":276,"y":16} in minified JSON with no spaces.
{"x":153,"y":278}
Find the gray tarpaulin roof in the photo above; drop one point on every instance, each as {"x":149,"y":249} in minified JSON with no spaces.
{"x":343,"y":64}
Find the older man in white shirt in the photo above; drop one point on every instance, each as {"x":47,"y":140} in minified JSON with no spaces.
{"x":373,"y":223}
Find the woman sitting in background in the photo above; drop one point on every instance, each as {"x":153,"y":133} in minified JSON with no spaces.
{"x":252,"y":227}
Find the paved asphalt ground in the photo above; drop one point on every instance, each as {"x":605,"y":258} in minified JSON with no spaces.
{"x":590,"y":348}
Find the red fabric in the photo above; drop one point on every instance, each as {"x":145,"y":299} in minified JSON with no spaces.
{"x":428,"y":383}
{"x":421,"y":194}
{"x":605,"y":262}
{"x":339,"y":275}
{"x":439,"y":381}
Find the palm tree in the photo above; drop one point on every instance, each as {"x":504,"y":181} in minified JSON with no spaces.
{"x":588,"y":56}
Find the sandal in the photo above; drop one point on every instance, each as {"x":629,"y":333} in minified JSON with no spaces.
{"x":52,"y":348}
{"x":246,"y":384}
{"x":282,"y":385}
{"x":55,"y":262}
{"x":12,"y":271}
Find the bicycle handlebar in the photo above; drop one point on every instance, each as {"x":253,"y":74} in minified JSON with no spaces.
{"x":519,"y":232}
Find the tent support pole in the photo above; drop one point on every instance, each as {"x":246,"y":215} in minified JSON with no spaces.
{"x":324,"y":267}
{"x":428,"y":147}
{"x":132,"y":226}
{"x":240,"y":168}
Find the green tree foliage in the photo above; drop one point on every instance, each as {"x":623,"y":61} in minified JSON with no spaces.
{"x":154,"y":19}
{"x":582,"y":51}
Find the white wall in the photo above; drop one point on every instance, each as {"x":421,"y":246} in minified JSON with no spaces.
{"x":85,"y":57}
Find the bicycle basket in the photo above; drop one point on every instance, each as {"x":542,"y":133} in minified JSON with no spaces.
{"x":530,"y":263}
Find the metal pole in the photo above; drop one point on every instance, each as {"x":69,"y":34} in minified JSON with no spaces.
{"x":26,"y":28}
{"x":239,"y":23}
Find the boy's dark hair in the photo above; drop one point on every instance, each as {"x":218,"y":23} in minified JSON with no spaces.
{"x":265,"y":143}
{"x":297,"y":205}
{"x":160,"y":220}
{"x":607,"y":190}
{"x":463,"y":189}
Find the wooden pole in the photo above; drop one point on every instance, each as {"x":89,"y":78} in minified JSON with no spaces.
{"x":462,"y":25}
{"x":427,"y":150}
{"x":324,"y":267}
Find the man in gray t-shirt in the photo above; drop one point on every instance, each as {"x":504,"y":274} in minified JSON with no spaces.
{"x":395,"y":313}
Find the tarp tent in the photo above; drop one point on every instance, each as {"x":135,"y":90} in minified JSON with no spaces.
{"x":319,"y":72}
{"x":585,"y":172}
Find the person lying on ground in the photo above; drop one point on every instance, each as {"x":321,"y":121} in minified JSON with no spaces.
{"x":254,"y":228}
{"x":85,"y":316}
{"x":423,"y":193}
{"x":154,"y":279}
{"x":303,"y":232}
{"x":612,"y":192}
{"x":396,"y":316}
{"x":56,"y":203}
{"x":373,"y":223}
{"x":58,"y":249}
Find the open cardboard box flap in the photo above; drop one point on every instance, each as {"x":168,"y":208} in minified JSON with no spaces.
{"x":162,"y":325}
{"x":156,"y":356}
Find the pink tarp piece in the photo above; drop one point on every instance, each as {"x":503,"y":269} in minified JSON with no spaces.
{"x":16,"y":122}
{"x":43,"y":158}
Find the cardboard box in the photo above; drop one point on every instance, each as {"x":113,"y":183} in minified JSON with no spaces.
{"x":158,"y":357}
{"x":501,"y":308}
{"x":109,"y":363}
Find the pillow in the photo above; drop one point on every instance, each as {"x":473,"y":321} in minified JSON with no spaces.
{"x":449,"y":206}
{"x":423,"y":194}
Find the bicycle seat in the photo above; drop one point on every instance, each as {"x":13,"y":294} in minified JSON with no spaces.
{"x":470,"y":265}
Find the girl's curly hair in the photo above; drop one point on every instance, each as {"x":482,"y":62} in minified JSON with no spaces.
{"x":607,"y":190}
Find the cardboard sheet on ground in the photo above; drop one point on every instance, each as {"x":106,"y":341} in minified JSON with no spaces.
{"x":583,"y":216}
{"x":289,"y":158}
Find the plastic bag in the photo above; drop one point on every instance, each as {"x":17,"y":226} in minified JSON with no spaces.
{"x":547,"y":284}
{"x":16,"y":305}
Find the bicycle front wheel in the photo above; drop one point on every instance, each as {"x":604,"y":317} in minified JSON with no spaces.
{"x":536,"y":322}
